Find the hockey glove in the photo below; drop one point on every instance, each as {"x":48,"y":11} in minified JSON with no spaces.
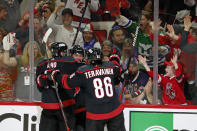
{"x":115,"y":56}
{"x":51,"y":74}
{"x":9,"y":40}
{"x":42,"y":81}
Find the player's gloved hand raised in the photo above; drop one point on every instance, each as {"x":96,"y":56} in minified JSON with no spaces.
{"x":115,"y":56}
{"x":50,"y":73}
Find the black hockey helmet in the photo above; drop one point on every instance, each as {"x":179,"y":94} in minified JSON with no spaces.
{"x":57,"y":48}
{"x":77,"y":49}
{"x":94,"y":55}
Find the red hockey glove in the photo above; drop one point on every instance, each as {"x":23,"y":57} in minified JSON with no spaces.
{"x":42,"y":80}
{"x":51,"y":74}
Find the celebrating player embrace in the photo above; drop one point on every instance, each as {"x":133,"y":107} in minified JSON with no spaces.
{"x":97,"y":80}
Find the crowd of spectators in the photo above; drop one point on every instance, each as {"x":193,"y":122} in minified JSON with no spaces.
{"x":176,"y":49}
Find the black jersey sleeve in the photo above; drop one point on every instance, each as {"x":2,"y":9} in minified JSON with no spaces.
{"x":117,"y":74}
{"x":40,"y":79}
{"x":69,"y":81}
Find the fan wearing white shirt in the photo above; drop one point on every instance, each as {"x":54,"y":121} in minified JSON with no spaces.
{"x":64,"y":33}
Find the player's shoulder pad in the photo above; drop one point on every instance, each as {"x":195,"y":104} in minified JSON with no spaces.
{"x":42,"y":62}
{"x":84,"y":68}
{"x":66,"y":58}
{"x":108,"y":63}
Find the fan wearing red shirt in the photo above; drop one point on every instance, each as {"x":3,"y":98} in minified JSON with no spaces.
{"x":172,"y":82}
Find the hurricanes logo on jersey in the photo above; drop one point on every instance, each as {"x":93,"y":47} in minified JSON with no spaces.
{"x":169,"y":91}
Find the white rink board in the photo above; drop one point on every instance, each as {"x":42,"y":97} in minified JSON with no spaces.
{"x":26,"y":117}
{"x":185,"y":121}
{"x":19,"y":118}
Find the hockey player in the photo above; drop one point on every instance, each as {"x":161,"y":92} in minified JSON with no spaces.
{"x":172,"y":81}
{"x":51,"y":117}
{"x":78,"y":53}
{"x":98,"y":80}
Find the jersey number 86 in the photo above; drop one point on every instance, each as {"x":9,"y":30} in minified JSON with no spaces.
{"x":99,"y":88}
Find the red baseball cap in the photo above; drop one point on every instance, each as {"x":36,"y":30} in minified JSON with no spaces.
{"x":168,"y":63}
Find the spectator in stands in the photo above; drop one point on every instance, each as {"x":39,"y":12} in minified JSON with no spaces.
{"x":22,"y":34}
{"x":23,"y":78}
{"x":38,"y":10}
{"x":136,"y":84}
{"x":7,"y":63}
{"x":106,"y":49}
{"x":65,"y":33}
{"x":117,"y":36}
{"x":78,"y":7}
{"x":46,"y":13}
{"x":144,"y":45}
{"x":172,"y":82}
{"x":13,"y":15}
{"x":190,"y":47}
{"x":89,"y":38}
{"x":127,"y":52}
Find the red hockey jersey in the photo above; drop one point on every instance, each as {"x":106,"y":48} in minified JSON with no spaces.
{"x":172,"y":87}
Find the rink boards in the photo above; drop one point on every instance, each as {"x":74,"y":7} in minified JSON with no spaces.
{"x":21,"y":116}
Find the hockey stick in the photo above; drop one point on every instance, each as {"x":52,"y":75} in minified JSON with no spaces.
{"x":44,"y":41}
{"x":81,"y":20}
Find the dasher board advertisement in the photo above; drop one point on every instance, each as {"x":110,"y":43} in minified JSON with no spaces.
{"x":26,"y":117}
{"x":160,"y":119}
{"x":19,"y":117}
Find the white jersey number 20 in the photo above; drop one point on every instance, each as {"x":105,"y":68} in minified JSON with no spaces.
{"x":101,"y":85}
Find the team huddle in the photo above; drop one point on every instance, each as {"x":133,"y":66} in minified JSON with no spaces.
{"x":86,"y":89}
